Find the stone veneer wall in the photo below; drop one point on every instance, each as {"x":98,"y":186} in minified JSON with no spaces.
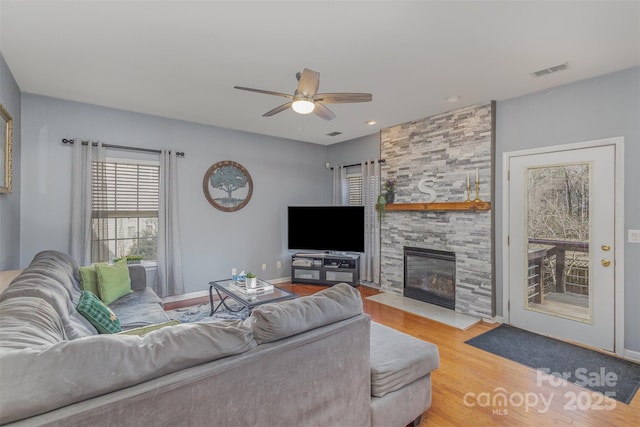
{"x":444,"y":148}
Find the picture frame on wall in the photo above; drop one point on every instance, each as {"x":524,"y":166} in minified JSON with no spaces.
{"x":6,"y":146}
{"x":227,"y":186}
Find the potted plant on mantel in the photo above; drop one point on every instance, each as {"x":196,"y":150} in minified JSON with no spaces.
{"x":381,"y":204}
{"x":389,"y":188}
{"x":252,"y":280}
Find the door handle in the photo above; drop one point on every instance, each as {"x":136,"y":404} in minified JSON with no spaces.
{"x":606,"y":248}
{"x":605,"y":262}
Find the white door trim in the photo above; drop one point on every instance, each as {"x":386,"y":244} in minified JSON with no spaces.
{"x":618,"y":143}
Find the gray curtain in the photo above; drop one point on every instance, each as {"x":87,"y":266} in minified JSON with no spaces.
{"x":82,"y":157}
{"x":370,"y":260}
{"x":340,"y":186}
{"x":169,"y":276}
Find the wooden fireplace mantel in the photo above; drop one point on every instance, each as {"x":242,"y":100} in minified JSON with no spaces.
{"x":441,"y":206}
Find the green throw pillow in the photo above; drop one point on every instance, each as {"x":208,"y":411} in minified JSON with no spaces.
{"x":98,"y":314}
{"x":143,"y":330}
{"x":89,"y":278}
{"x":113,"y":281}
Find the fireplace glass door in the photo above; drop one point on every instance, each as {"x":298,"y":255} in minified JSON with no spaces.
{"x":430,"y":276}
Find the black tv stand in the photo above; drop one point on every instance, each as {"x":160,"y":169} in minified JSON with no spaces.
{"x":325,"y":269}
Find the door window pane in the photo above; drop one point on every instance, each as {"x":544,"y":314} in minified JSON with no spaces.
{"x":558,"y":224}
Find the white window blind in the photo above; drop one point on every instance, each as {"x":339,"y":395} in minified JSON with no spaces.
{"x":354,"y":187}
{"x":125,"y":200}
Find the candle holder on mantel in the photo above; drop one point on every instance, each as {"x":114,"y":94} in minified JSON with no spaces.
{"x":468,"y":193}
{"x":477,"y":199}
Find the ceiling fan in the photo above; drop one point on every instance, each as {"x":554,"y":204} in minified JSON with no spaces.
{"x":306,"y":100}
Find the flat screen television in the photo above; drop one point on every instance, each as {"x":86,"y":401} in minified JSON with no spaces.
{"x":326,"y":228}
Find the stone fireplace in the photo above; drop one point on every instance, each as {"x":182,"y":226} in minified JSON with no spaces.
{"x":435,"y":155}
{"x":430,"y":276}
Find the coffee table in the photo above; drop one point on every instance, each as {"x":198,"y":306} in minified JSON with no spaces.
{"x":227,"y":289}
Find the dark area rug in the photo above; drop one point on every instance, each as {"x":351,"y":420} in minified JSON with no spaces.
{"x":200,"y":313}
{"x":613,"y":377}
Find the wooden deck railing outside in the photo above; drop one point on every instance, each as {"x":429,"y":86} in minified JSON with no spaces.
{"x":550,"y":271}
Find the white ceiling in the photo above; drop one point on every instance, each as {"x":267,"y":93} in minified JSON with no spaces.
{"x":181,"y":59}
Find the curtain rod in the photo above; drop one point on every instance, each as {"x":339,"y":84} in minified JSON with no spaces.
{"x":121,"y":147}
{"x":358,"y":164}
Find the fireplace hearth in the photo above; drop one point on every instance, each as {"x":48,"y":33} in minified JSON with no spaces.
{"x":430,"y":276}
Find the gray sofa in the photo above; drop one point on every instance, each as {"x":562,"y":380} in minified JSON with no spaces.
{"x":304,"y":362}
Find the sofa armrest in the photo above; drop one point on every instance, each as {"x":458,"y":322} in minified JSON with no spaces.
{"x":138,"y":276}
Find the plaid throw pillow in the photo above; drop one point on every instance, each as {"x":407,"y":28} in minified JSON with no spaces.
{"x":96,"y":312}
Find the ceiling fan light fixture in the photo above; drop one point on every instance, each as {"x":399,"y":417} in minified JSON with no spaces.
{"x":305,"y":97}
{"x":303,"y":106}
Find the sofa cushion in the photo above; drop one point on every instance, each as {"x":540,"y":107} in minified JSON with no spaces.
{"x":138,"y":276}
{"x":135,"y":298}
{"x":398,"y":359}
{"x":139,"y":308}
{"x":271,"y":322}
{"x":27,"y":322}
{"x":50,"y":377}
{"x":89,"y":278}
{"x":51,"y":276}
{"x":97,"y":312}
{"x":113,"y":281}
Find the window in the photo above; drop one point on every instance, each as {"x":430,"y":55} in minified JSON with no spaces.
{"x":124,"y":218}
{"x":354,"y":189}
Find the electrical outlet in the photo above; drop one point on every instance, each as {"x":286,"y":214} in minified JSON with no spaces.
{"x":264,"y":267}
{"x":278,"y":264}
{"x":634,"y":236}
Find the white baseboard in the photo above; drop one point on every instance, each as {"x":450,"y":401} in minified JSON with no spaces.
{"x":632,"y":355}
{"x":190,"y":295}
{"x":280,"y":280}
{"x":492,"y":320}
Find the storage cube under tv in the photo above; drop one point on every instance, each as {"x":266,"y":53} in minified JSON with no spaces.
{"x":325,"y":269}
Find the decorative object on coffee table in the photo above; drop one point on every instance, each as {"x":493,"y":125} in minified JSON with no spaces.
{"x":251,"y":281}
{"x":227,"y":185}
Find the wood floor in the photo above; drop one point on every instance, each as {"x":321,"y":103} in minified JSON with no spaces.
{"x":469,"y":385}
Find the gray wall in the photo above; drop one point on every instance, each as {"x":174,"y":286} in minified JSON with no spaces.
{"x":355,"y":150}
{"x":284,"y":172}
{"x":601,"y":107}
{"x":10,"y":202}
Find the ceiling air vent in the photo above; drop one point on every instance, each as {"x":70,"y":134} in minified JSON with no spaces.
{"x":550,"y":70}
{"x":334,"y":133}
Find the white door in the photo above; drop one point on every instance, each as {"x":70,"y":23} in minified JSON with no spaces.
{"x":562,"y":243}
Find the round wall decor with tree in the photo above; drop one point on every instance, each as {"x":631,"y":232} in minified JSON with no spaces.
{"x":227,"y":185}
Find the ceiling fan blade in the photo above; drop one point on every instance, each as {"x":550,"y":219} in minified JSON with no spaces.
{"x":309,"y":82}
{"x":268,"y":92}
{"x":322,"y":111}
{"x":342,"y":98}
{"x":277,"y":110}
